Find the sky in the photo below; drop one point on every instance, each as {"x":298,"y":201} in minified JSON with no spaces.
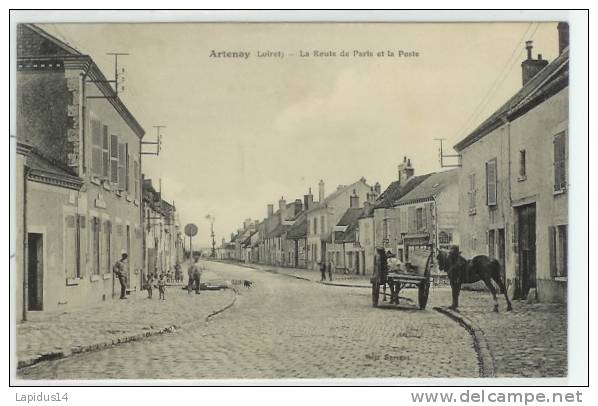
{"x":243,"y":132}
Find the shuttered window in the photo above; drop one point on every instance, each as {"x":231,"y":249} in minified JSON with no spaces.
{"x":472,"y":193}
{"x":412,"y":220}
{"x":560,"y":162}
{"x":105,"y":153}
{"x":491,"y":182}
{"x":135,"y":179}
{"x":107,"y":248}
{"x":127,"y":169}
{"x":96,"y":147}
{"x":557,"y":250}
{"x":70,"y":247}
{"x":121,"y":166}
{"x":114,"y":159}
{"x":419,"y":216}
{"x":404,"y":223}
{"x":95,"y":245}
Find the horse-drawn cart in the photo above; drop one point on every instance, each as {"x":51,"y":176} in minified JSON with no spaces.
{"x":414,"y":273}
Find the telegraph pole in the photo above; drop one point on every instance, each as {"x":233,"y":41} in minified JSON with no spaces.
{"x":157,"y":143}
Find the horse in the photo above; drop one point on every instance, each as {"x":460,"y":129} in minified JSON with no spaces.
{"x":461,"y":270}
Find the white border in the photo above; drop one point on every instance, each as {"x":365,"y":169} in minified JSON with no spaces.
{"x":578,"y":130}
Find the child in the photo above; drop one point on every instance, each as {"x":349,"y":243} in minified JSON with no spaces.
{"x":162,"y":287}
{"x":150,"y":285}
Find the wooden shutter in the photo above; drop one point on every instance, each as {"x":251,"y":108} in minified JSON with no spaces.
{"x":127,"y":169}
{"x":70,"y":246}
{"x":121,"y":166}
{"x":96,"y":147}
{"x":424,"y":226}
{"x":430,"y":217}
{"x":552,"y":250}
{"x":559,"y":162}
{"x":491,"y":182}
{"x":105,"y":153}
{"x":412,"y":219}
{"x":114,"y":159}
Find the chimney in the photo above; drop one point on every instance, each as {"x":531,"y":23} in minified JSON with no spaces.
{"x":563,"y":28}
{"x":308,"y":200}
{"x":256,"y":223}
{"x":282,"y":207}
{"x":321,"y":191}
{"x":405,"y":170}
{"x":298,"y":207}
{"x":246,"y":224}
{"x":377,"y":188}
{"x":354,"y":200}
{"x":270,"y":210}
{"x":372,"y":195}
{"x":530,"y":67}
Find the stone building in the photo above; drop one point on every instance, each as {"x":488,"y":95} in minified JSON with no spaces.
{"x":85,"y":144}
{"x":514,"y":180}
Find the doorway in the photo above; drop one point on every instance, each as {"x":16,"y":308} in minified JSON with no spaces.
{"x":526,"y":241}
{"x":35,"y":271}
{"x":502,"y":254}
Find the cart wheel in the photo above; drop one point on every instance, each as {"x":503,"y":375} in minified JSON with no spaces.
{"x":423,"y":291}
{"x":375,"y":292}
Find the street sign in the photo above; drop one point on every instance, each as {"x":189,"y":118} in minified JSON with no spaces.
{"x":191,"y":230}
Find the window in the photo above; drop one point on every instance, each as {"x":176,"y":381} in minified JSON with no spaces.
{"x":96,"y":148}
{"x":72,"y":243}
{"x":444,"y":237}
{"x":557,"y":239}
{"x":105,"y":153}
{"x":404,"y":224}
{"x":107,"y":246}
{"x":491,"y":247}
{"x":419,"y":218}
{"x":315,"y":226}
{"x":322,"y":225}
{"x":95,"y":245}
{"x":472,"y":193}
{"x":522,"y":168}
{"x":122,"y":158}
{"x":114,"y":159}
{"x":491,"y":182}
{"x":560,"y":162}
{"x":412,"y":220}
{"x":385,"y":229}
{"x":127,"y":169}
{"x":136,"y":179}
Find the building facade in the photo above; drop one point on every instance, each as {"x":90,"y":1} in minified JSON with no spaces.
{"x":77,"y":127}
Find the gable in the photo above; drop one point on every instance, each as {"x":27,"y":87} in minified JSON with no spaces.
{"x":32,"y":41}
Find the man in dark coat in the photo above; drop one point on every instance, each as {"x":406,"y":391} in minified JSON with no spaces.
{"x":119,"y":270}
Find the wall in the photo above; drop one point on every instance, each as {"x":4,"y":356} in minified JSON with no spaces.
{"x":534,"y":133}
{"x":366,"y":239}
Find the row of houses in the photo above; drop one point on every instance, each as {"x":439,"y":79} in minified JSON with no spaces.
{"x":81,"y":199}
{"x":507,"y":198}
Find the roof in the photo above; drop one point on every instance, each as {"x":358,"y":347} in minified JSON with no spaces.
{"x":336,"y":193}
{"x":299,"y":229}
{"x":430,"y":187}
{"x":396,"y":190}
{"x":278,"y":231}
{"x":350,"y":219}
{"x":36,"y":47}
{"x":551,"y":79}
{"x":44,"y":170}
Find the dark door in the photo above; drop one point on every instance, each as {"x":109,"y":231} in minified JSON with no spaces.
{"x":35,"y":272}
{"x":501,"y":254}
{"x":526,"y":217}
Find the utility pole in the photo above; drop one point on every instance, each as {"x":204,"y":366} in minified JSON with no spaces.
{"x":452,"y":156}
{"x":157,"y":143}
{"x":115,"y":80}
{"x":212,"y":219}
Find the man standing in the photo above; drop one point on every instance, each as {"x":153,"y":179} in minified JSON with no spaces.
{"x":190,"y":277}
{"x":322,"y":270}
{"x":119,"y":270}
{"x":197,"y":275}
{"x":331,"y":267}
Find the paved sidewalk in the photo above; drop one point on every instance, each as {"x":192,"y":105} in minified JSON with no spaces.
{"x":115,"y":321}
{"x":530,"y":341}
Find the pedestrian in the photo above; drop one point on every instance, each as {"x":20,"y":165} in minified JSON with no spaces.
{"x":322,"y":270}
{"x":149,"y":285}
{"x":197,"y":276}
{"x":119,"y":269}
{"x":177,"y":273}
{"x":190,"y":278}
{"x":162,"y":287}
{"x":331,"y":266}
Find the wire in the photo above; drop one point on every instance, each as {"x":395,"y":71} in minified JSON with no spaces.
{"x":504,"y":73}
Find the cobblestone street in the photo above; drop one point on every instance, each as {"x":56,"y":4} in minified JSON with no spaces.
{"x":285,"y":328}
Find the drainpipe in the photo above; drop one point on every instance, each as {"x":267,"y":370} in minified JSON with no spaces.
{"x":25,"y":245}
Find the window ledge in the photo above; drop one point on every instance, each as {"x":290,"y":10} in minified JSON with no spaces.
{"x":559,"y":192}
{"x":521,"y":178}
{"x":107,"y":275}
{"x":560,"y":278}
{"x":472,"y":212}
{"x":94,"y":278}
{"x":118,"y":192}
{"x":72,"y":281}
{"x":106,"y":185}
{"x":96,"y":181}
{"x":129,"y":198}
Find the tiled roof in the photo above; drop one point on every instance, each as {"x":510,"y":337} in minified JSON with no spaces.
{"x":396,"y":190}
{"x":299,"y":229}
{"x":334,"y":194}
{"x":43,"y":170}
{"x":430,"y":187}
{"x":351,"y":220}
{"x":552,"y":78}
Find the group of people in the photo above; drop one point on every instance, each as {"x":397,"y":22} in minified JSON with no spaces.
{"x":326,"y":266}
{"x":153,"y":280}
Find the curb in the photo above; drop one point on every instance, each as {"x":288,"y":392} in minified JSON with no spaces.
{"x":485,"y":359}
{"x":228,"y":306}
{"x":346,"y":285}
{"x":82,"y":349}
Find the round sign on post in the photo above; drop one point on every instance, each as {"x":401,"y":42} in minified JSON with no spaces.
{"x":191,"y":230}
